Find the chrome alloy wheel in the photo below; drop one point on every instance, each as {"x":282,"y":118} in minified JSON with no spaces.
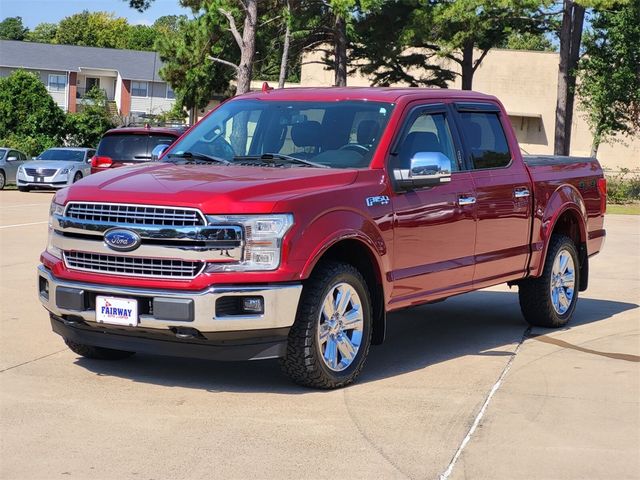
{"x":563,"y":280}
{"x":340,"y":327}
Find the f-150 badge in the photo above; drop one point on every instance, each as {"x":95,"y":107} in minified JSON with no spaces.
{"x":379,"y":200}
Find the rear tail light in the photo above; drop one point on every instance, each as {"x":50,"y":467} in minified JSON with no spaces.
{"x":602,"y":188}
{"x":101,"y":162}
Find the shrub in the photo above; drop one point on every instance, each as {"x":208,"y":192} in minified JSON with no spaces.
{"x":623,"y":187}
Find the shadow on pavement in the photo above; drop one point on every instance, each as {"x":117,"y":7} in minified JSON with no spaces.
{"x":480,"y":323}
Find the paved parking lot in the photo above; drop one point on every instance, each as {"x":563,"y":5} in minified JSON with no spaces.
{"x":457,"y":390}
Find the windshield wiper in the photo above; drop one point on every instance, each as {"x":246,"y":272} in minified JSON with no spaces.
{"x":291,"y":159}
{"x":199,"y":156}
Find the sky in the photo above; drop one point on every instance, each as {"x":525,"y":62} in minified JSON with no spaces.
{"x":34,"y":12}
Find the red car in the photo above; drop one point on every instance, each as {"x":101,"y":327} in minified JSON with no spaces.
{"x":288,"y":223}
{"x":131,"y":145}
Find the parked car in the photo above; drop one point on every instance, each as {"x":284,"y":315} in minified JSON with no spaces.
{"x":10,"y":161}
{"x":130,"y":145}
{"x":55,"y":168}
{"x":288,"y":224}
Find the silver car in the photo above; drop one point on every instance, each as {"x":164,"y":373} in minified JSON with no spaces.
{"x":10,"y":161}
{"x":55,"y":168}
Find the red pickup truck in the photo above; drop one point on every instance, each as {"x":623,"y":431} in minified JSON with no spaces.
{"x":287,"y":223}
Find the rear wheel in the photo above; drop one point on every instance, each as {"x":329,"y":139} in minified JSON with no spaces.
{"x":97,"y":353}
{"x":330,"y":339}
{"x":550,"y":300}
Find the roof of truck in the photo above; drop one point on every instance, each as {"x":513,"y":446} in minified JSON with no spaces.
{"x":379,"y":94}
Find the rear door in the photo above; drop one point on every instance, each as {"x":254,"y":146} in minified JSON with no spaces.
{"x":503,"y":194}
{"x":434,"y":227}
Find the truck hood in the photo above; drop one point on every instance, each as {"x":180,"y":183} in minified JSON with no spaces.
{"x":212,"y":188}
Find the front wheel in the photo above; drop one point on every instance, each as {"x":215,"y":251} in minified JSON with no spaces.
{"x":550,"y":300}
{"x":3,"y":180}
{"x":97,"y":353}
{"x":77,"y":177}
{"x":330,"y":339}
{"x":24,"y":189}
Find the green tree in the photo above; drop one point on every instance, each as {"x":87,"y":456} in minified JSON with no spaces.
{"x":169,"y":24}
{"x":86,"y":127}
{"x":93,"y":29}
{"x":528,"y":41}
{"x":570,"y":37}
{"x":187,"y":67}
{"x":28,"y":114}
{"x":425,"y":30}
{"x":609,"y":73}
{"x":43,"y":33}
{"x":142,"y":37}
{"x":11,"y":28}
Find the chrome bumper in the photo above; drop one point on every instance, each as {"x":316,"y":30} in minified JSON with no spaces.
{"x":280,"y":305}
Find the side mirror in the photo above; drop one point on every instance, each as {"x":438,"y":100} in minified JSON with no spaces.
{"x":12,"y":159}
{"x":158,"y":150}
{"x":426,"y":169}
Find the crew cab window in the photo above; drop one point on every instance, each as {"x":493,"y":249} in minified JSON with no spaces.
{"x":485,"y":139}
{"x":427,"y":132}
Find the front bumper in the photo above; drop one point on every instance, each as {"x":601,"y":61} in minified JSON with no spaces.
{"x":58,"y":180}
{"x":205,"y":332}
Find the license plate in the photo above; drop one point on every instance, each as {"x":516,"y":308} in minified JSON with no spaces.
{"x":40,"y":179}
{"x":117,"y":311}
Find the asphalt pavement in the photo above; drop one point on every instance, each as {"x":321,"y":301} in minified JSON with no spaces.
{"x":459,"y":390}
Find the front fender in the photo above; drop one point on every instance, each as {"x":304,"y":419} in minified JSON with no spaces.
{"x":326,"y":230}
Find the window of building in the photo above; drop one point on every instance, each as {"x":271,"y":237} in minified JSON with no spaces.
{"x":486,"y":140}
{"x":139,"y":89}
{"x":57,"y":83}
{"x":170,"y":93}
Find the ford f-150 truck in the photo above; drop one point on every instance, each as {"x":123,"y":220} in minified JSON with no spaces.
{"x":288,"y":223}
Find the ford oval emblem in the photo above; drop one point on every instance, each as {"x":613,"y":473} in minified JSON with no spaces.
{"x":122,"y":240}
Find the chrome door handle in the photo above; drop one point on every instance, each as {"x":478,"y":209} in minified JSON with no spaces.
{"x":462,"y":201}
{"x":521,"y":192}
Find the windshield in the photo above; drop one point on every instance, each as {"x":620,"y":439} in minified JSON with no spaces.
{"x":333,"y":134}
{"x":61,"y":154}
{"x":131,"y":147}
{"x":2,"y":152}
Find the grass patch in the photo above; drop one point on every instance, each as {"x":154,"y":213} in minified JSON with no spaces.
{"x":627,"y":209}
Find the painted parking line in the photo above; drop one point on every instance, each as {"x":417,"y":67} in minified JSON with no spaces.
{"x":23,"y":224}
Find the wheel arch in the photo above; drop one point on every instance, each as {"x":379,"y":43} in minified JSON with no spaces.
{"x":358,"y":250}
{"x":565,"y":214}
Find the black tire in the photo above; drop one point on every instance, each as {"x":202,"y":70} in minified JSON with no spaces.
{"x":535,"y":293}
{"x":77,"y":177}
{"x":24,"y":189}
{"x":303,"y":362}
{"x":97,"y":353}
{"x":3,"y":180}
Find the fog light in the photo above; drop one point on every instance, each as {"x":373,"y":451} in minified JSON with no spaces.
{"x":253,"y":304}
{"x":43,"y":286}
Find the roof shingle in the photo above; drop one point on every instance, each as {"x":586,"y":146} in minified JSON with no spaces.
{"x":132,"y":64}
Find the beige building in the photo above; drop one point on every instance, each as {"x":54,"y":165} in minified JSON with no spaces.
{"x":526,"y":83}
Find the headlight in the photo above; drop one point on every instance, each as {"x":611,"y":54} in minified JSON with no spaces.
{"x":64,"y":171}
{"x":54,"y":209}
{"x":263,"y":236}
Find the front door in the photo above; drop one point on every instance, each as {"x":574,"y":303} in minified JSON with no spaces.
{"x":91,"y":82}
{"x":503,"y":191}
{"x":434,"y":227}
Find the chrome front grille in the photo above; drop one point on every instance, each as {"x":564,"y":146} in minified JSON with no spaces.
{"x":115,"y":213}
{"x":40,"y":172}
{"x":133,"y":266}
